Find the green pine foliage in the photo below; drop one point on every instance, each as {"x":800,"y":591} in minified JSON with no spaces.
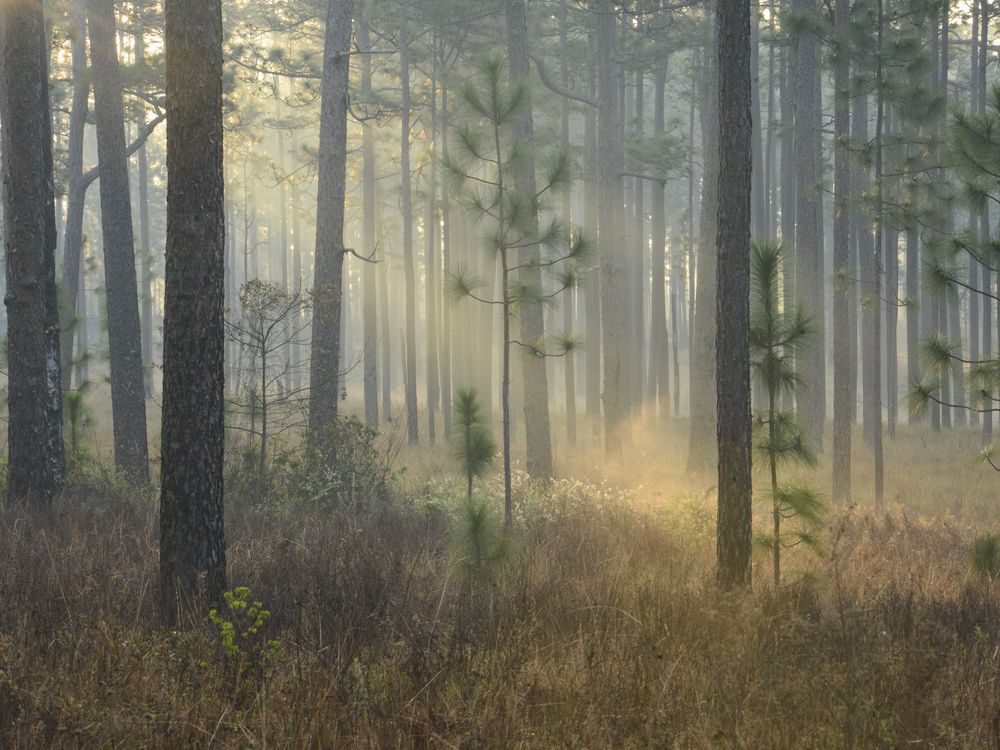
{"x":974,"y":150}
{"x":472,"y":442}
{"x":537,"y":258}
{"x":776,"y":336}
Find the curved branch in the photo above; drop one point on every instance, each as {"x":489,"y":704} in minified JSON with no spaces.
{"x":543,"y":73}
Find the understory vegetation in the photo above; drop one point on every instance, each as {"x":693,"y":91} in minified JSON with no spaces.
{"x":410,"y":619}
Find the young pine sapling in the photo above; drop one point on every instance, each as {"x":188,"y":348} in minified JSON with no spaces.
{"x":484,"y":169}
{"x":472,"y":442}
{"x":776,"y":335}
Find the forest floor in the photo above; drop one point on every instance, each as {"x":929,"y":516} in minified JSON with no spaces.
{"x":600,"y":627}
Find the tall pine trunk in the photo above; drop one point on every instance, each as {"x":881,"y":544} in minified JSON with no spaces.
{"x":732,"y":343}
{"x":145,"y":242}
{"x":658,"y":379}
{"x":370,"y":301}
{"x":328,"y":276}
{"x":410,"y":364}
{"x":192,"y":534}
{"x":76,"y":196}
{"x":811,"y":395}
{"x":569,"y":360}
{"x":701,"y":444}
{"x":35,"y":466}
{"x":537,"y":430}
{"x":842,"y":331}
{"x":128,"y":397}
{"x":431,"y":269}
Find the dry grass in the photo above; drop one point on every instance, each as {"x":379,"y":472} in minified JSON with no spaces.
{"x":605,"y":631}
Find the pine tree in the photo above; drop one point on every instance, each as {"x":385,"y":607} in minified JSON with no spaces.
{"x":776,"y":336}
{"x":36,"y":462}
{"x":192,"y":533}
{"x":488,"y":157}
{"x":472,"y":442}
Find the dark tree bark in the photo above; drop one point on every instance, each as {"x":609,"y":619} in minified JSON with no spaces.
{"x":35,"y":468}
{"x":328,"y":276}
{"x":128,"y":396}
{"x":732,"y":343}
{"x":537,"y":430}
{"x":842,"y":282}
{"x":192,"y":534}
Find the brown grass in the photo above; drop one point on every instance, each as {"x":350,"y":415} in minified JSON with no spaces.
{"x":604,"y":632}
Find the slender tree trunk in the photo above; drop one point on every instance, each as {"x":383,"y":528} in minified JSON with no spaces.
{"x":35,"y":466}
{"x":788,"y":174}
{"x":787,"y":143}
{"x":759,"y":194}
{"x":298,"y":374}
{"x":569,"y":360}
{"x":986,"y":277}
{"x":811,"y":395}
{"x":613,"y":266}
{"x":638,"y":277}
{"x":370,"y":318}
{"x":145,"y":243}
{"x":891,"y":329}
{"x":192,"y":534}
{"x":954,"y":331}
{"x":658,"y":379}
{"x":328,"y":276}
{"x":842,"y":282}
{"x":76,"y":194}
{"x":771,"y":143}
{"x":732,"y":343}
{"x":431,"y":226}
{"x":410,"y":379}
{"x":974,"y":266}
{"x":444,"y":347}
{"x":128,"y":402}
{"x":877,"y":301}
{"x":701,"y":446}
{"x":871,"y":401}
{"x":537,"y":429}
{"x":592,"y":281}
{"x":386,"y":323}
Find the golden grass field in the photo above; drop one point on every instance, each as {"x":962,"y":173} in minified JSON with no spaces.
{"x":601,"y":628}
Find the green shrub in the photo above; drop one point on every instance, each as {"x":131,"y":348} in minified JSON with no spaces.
{"x":245,"y":647}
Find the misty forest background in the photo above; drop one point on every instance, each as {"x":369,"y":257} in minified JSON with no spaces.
{"x":444,"y":372}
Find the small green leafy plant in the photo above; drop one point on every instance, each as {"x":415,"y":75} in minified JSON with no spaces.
{"x":243,"y":643}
